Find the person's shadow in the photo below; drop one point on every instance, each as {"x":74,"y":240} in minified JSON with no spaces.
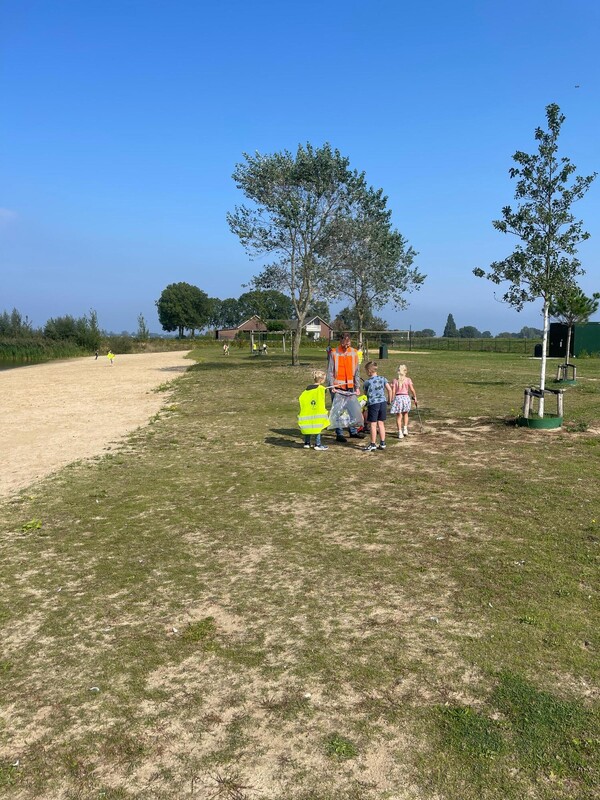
{"x":287,"y":437}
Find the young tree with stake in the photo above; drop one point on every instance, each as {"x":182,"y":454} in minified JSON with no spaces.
{"x":544,"y":265}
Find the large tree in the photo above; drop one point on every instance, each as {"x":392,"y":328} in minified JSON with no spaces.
{"x":347,"y":320}
{"x":469,"y":332}
{"x":181,"y":307}
{"x":544,"y":265}
{"x":227,"y":313}
{"x":320,"y":308}
{"x":450,"y":329}
{"x":295,"y":201}
{"x":573,"y":308}
{"x":266,"y":303}
{"x":373,"y":262}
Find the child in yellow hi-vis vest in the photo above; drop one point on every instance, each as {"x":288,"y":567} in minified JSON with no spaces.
{"x":313,"y":417}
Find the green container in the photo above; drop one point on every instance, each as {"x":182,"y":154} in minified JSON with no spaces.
{"x":546,"y":422}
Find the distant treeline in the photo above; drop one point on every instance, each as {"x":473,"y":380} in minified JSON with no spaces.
{"x":81,"y":333}
{"x":451,"y":331}
{"x":36,"y":348}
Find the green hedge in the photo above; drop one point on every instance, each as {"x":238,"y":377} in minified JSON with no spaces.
{"x":37,"y":349}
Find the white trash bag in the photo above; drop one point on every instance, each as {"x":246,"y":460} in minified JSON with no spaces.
{"x":345,"y":411}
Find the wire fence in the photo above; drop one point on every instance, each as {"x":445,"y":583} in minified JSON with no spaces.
{"x":524,"y":346}
{"x":402,"y":340}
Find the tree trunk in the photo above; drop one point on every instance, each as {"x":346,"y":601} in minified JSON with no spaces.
{"x":568,"y":344}
{"x":544,"y":347}
{"x":295,"y":349}
{"x":296,"y":337}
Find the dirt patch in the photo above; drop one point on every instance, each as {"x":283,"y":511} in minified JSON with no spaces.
{"x":53,"y":414}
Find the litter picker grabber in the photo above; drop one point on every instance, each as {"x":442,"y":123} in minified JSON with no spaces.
{"x":419,"y":416}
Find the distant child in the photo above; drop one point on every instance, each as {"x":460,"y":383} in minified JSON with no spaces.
{"x":225,"y":349}
{"x":378,"y":392}
{"x":313,"y":417}
{"x":402,"y":387}
{"x":110,"y":355}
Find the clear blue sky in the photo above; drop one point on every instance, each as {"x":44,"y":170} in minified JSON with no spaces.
{"x":122,"y":121}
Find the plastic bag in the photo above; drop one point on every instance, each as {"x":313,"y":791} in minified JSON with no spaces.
{"x":345,"y":411}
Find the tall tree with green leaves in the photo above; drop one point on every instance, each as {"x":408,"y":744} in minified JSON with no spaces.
{"x":373,"y":261}
{"x":266,"y":304}
{"x":320,"y":308}
{"x":545,"y":264}
{"x":347,"y":320}
{"x":226,"y":313}
{"x":143,"y":334}
{"x":181,"y":307}
{"x":295,"y":200}
{"x":573,"y":308}
{"x":450,"y":329}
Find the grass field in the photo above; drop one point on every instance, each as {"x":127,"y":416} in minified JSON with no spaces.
{"x":210,"y":611}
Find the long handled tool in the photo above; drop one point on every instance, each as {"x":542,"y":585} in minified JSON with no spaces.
{"x":419,"y":416}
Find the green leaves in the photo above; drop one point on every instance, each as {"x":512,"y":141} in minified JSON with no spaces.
{"x":182,"y":306}
{"x":545,"y":264}
{"x":573,"y":307}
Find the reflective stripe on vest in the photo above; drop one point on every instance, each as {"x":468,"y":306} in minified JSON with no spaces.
{"x":313,"y":416}
{"x":337,"y":356}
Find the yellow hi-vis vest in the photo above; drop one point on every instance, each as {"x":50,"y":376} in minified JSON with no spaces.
{"x":313,"y":417}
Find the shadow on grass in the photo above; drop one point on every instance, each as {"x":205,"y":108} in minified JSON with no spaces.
{"x":246,"y":362}
{"x":287,"y":432}
{"x":281,"y":442}
{"x":488,"y":383}
{"x":286,"y":437}
{"x":182,"y":368}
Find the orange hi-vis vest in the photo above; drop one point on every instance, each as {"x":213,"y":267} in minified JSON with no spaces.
{"x":344,"y":367}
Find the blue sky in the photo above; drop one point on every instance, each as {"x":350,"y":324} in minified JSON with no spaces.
{"x":122,"y":121}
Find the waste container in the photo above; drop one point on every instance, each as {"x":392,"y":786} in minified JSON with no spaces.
{"x":537,"y":351}
{"x":383,"y":350}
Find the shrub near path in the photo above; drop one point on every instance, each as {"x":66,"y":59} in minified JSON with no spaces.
{"x":212,"y":611}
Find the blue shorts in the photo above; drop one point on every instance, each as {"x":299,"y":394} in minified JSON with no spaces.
{"x":377,"y":412}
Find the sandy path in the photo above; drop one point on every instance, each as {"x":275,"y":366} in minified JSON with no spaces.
{"x":55,"y":413}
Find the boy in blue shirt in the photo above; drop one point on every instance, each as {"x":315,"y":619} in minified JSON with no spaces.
{"x":379,"y":393}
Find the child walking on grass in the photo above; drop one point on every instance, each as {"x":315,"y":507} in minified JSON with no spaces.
{"x":378,"y":392}
{"x":402,"y":388}
{"x":313,"y":417}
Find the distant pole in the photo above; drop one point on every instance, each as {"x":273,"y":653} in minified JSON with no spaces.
{"x":409,"y":341}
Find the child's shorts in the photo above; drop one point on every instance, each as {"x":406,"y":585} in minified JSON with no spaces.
{"x":377,"y":412}
{"x":400,"y":404}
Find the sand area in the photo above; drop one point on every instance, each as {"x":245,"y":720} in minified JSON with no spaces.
{"x":62,"y":411}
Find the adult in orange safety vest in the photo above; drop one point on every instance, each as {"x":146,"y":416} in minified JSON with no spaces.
{"x":343,"y":376}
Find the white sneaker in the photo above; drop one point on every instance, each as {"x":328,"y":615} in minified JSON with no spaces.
{"x":405,"y":431}
{"x":400,"y":435}
{"x":321,"y":447}
{"x":306,"y":447}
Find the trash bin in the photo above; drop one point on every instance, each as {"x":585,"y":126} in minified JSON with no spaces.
{"x":383,"y":350}
{"x":537,"y":351}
